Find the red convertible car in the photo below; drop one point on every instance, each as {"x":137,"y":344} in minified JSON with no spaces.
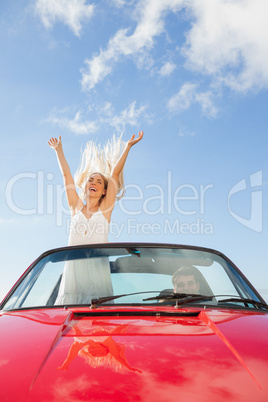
{"x":133,"y":322}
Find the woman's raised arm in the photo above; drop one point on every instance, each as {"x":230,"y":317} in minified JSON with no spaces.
{"x":110,"y":197}
{"x":74,"y":201}
{"x":121,"y":161}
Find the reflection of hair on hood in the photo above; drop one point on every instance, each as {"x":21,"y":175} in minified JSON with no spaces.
{"x":106,"y":360}
{"x":96,"y":159}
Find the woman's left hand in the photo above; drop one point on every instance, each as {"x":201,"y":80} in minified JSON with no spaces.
{"x":134,"y":140}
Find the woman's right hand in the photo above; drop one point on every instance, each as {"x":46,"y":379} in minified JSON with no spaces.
{"x":54,"y":143}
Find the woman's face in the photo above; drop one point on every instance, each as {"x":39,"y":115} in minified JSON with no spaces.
{"x":95,"y":186}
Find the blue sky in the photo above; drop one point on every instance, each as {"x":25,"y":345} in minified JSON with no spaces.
{"x":192,"y":75}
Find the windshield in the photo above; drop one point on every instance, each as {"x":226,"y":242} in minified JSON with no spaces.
{"x":139,"y":275}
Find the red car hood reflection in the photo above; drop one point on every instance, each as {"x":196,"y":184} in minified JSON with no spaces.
{"x":81,"y":355}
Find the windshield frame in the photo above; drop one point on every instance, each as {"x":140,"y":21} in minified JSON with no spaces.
{"x":57,"y":252}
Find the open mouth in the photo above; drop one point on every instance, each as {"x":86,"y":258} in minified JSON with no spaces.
{"x":93,"y":189}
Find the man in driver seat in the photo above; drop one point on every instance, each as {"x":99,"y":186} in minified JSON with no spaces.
{"x":186,"y":280}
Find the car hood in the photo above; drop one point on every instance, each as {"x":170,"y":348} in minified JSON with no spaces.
{"x":134,"y":354}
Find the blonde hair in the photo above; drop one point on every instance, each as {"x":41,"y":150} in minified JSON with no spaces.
{"x":96,"y":159}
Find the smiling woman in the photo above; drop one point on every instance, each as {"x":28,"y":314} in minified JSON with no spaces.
{"x":100,"y":180}
{"x":90,"y":221}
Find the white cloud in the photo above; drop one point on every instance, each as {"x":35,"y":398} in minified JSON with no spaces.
{"x":77,"y":124}
{"x":189,"y":95}
{"x":183,"y":99}
{"x":7,"y":221}
{"x":205,"y":100}
{"x":167,"y":69}
{"x":228,"y":41}
{"x":129,"y":116}
{"x":80,"y":124}
{"x":71,"y":13}
{"x":150,"y":16}
{"x":119,"y":3}
{"x":186,"y":133}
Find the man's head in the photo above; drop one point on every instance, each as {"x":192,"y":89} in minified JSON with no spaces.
{"x":186,"y":280}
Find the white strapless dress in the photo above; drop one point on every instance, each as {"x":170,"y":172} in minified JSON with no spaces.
{"x":88,"y":231}
{"x":86,"y":279}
